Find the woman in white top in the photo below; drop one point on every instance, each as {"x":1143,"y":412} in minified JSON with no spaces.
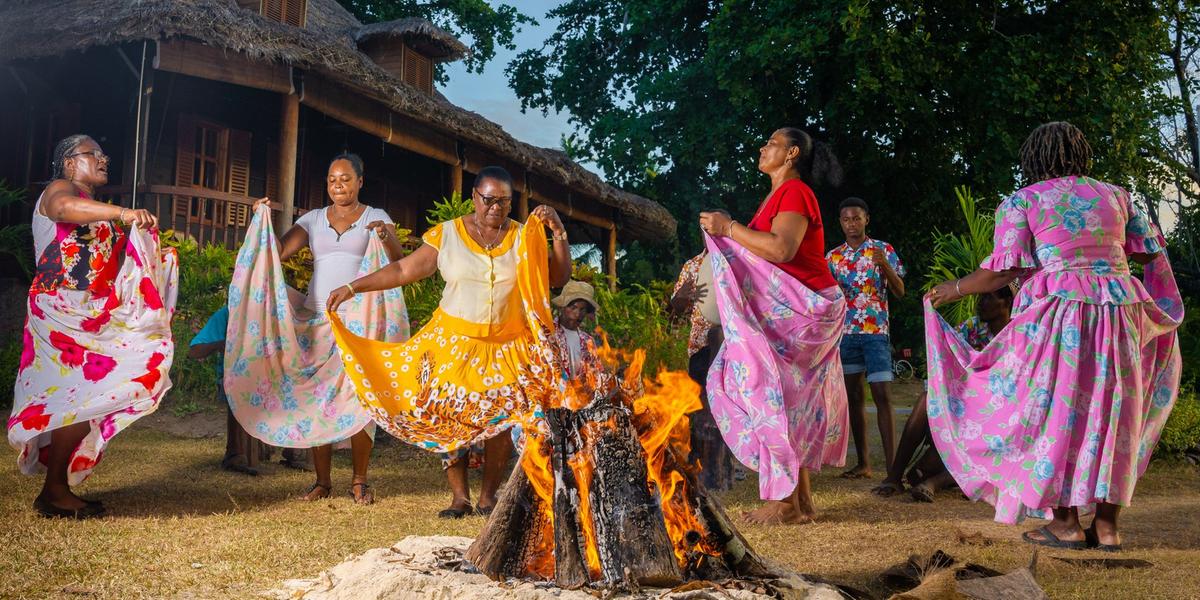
{"x":338,"y":235}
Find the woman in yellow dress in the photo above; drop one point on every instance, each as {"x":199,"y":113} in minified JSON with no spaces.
{"x":465,"y":377}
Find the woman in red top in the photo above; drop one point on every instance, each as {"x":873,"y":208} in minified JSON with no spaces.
{"x":772,"y":428}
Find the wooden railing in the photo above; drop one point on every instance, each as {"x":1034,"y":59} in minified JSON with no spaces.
{"x":206,"y":216}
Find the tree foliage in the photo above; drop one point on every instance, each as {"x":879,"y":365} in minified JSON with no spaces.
{"x":915,"y":97}
{"x":480,"y":25}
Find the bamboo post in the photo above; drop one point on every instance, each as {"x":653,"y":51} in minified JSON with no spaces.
{"x":289,"y":135}
{"x":611,"y":257}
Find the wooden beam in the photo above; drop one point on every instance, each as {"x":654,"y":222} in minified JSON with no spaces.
{"x":569,"y":212}
{"x":523,"y":201}
{"x":456,"y":172}
{"x":218,"y":64}
{"x":409,"y":134}
{"x":289,"y":135}
{"x":611,"y":255}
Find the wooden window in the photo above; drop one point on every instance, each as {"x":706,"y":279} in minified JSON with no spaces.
{"x":212,"y":157}
{"x":291,"y":12}
{"x":418,"y":70}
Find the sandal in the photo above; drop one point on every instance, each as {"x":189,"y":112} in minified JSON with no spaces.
{"x":308,"y":497}
{"x":364,"y":495}
{"x":484,"y":511}
{"x":921,"y":493}
{"x":90,"y":510}
{"x":887,"y":489}
{"x":1093,"y":541}
{"x":1051,"y":540}
{"x":455,"y":513}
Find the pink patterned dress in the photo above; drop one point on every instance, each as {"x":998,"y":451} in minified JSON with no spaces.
{"x":1063,"y":408}
{"x":775,"y":386}
{"x":97,"y":341}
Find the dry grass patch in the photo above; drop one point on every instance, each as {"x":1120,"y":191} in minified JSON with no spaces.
{"x":181,"y":527}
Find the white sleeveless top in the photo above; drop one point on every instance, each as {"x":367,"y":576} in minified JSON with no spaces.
{"x":481,"y":285}
{"x":336,"y":258}
{"x":44,"y":230}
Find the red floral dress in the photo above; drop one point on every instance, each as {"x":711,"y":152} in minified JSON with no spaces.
{"x":97,"y":340}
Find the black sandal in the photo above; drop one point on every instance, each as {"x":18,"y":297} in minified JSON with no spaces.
{"x":328,"y":492}
{"x":364,"y":496}
{"x":91,"y":509}
{"x":455,"y":513}
{"x":484,"y":511}
{"x":1093,"y":541}
{"x":1051,"y":540}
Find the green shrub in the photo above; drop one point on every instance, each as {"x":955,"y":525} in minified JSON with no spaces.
{"x":636,"y":317}
{"x":448,"y":209}
{"x":16,"y":241}
{"x":1182,"y":431}
{"x":204,"y":275}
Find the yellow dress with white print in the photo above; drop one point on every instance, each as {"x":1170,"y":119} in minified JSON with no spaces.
{"x":484,"y":359}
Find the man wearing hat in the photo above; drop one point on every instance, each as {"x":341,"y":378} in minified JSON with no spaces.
{"x":577,"y":348}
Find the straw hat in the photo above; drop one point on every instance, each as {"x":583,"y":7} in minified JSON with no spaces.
{"x":576,"y":290}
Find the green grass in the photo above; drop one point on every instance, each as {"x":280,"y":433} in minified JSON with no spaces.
{"x":180,"y":526}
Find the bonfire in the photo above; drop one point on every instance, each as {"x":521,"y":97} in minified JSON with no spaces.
{"x":606,"y":496}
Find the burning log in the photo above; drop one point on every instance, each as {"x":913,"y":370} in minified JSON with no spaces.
{"x":570,"y":545}
{"x":630,"y":530}
{"x":514,"y":541}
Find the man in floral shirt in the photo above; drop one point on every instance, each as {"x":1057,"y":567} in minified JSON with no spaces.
{"x":865,"y":270}
{"x":576,"y":347}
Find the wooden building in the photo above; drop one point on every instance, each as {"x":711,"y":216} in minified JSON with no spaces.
{"x":207,"y":104}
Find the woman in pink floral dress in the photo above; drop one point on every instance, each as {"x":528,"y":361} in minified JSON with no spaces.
{"x":1062,"y":410}
{"x":775,"y":386}
{"x":97,"y":341}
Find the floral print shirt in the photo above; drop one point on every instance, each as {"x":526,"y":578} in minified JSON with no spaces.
{"x":976,"y":332}
{"x":698,"y":337}
{"x":864,"y":284}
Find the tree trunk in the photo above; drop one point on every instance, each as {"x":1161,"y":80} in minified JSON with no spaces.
{"x":512,"y":543}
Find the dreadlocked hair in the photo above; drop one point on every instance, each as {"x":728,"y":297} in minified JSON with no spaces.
{"x":1053,"y":150}
{"x":65,"y":147}
{"x":817,"y":165}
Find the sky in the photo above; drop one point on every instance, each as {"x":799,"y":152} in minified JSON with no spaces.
{"x":488,"y":93}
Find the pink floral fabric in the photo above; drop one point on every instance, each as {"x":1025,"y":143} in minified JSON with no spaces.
{"x":775,"y":386}
{"x":1065,"y":406}
{"x":97,"y":341}
{"x":283,"y":374}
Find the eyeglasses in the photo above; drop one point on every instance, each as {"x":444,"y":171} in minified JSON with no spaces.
{"x":97,"y":154}
{"x":494,"y":200}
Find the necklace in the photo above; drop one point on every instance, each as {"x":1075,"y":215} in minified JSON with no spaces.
{"x":479,"y":232}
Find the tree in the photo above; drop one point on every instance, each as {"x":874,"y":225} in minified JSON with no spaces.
{"x":483,"y":26}
{"x":915,"y":97}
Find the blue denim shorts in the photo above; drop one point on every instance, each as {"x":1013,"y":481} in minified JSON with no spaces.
{"x":869,"y":353}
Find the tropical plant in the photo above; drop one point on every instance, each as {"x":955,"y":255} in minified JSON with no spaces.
{"x":1182,"y":431}
{"x":957,"y":255}
{"x":204,"y":275}
{"x":448,"y":209}
{"x":16,"y":241}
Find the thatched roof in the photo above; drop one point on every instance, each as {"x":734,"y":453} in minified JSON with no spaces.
{"x":43,"y":28}
{"x":447,"y":46}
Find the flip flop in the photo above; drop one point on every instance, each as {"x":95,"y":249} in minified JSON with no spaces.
{"x":1051,"y":540}
{"x":484,"y":511}
{"x":46,"y":509}
{"x":921,"y":493}
{"x":455,"y":513}
{"x":888,"y":489}
{"x":1093,"y":541}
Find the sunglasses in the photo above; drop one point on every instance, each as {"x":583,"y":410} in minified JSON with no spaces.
{"x":490,"y":201}
{"x":97,"y":154}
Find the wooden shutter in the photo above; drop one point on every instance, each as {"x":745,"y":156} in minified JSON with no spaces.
{"x":185,"y":163}
{"x":294,"y":12}
{"x":239,"y":177}
{"x":273,"y":9}
{"x":418,"y":70}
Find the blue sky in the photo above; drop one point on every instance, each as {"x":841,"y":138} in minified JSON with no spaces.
{"x":488,"y":93}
